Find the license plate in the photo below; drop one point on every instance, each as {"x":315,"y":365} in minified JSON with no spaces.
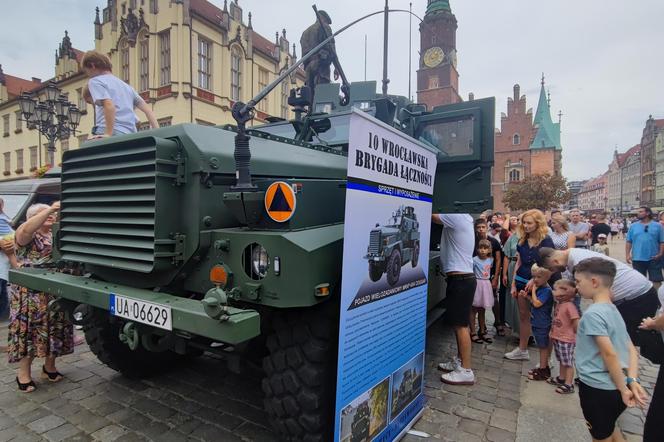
{"x":140,"y":311}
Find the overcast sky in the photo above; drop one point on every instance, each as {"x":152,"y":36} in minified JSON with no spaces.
{"x":603,"y":59}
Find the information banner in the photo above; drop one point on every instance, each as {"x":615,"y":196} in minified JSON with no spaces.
{"x":384,"y":282}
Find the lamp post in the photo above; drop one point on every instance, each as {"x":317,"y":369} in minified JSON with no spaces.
{"x":55,"y":117}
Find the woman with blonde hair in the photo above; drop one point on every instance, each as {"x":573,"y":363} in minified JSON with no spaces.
{"x":533,"y":234}
{"x":561,"y":236}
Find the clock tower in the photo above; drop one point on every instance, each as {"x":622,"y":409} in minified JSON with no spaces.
{"x":437,"y":76}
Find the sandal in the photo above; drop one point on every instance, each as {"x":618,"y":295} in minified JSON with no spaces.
{"x":55,"y":376}
{"x":28,"y":387}
{"x":500,"y":330}
{"x":540,"y":374}
{"x":476,"y":339}
{"x":556,"y":381}
{"x":485,"y":338}
{"x":565,"y":389}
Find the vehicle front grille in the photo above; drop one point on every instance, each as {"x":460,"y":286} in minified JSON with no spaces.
{"x":108,"y":206}
{"x":374,"y":242}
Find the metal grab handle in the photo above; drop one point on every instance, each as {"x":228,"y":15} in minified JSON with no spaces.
{"x":475,"y":171}
{"x":468,"y":203}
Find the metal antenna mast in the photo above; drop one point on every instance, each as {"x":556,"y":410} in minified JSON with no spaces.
{"x":385,"y":27}
{"x":410,"y":46}
{"x":365,"y":57}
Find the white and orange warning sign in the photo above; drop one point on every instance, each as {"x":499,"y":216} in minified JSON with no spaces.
{"x":280,"y":201}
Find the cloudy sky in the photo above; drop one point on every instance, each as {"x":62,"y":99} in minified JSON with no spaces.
{"x":603,"y":59}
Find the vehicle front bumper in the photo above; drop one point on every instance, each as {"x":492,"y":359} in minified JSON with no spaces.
{"x":188,"y":315}
{"x":374,"y":257}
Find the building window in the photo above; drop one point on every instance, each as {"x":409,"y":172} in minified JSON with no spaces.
{"x":154,"y":6}
{"x":19,"y":122}
{"x":263,"y":80}
{"x":285,"y":92}
{"x":516,"y":140}
{"x":33,"y":158}
{"x":5,"y":125}
{"x":514,"y":175}
{"x":236,"y":73}
{"x":82,"y":105}
{"x":204,"y":64}
{"x":143,"y":126}
{"x":8,"y":162}
{"x":165,"y":58}
{"x":163,"y":122}
{"x":144,"y":70}
{"x":19,"y":161}
{"x":124,"y":63}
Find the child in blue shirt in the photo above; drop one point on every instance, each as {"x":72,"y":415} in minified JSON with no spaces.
{"x":604,"y":353}
{"x":541,"y":299}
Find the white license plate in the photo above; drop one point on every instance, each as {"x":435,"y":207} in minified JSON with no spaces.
{"x":140,"y":311}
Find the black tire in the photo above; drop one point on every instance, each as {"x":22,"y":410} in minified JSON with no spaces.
{"x":394,"y":267}
{"x":102,"y":335}
{"x":376,"y":271}
{"x":416,"y":254}
{"x":300,"y":373}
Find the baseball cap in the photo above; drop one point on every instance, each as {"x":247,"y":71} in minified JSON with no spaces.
{"x":602,"y":235}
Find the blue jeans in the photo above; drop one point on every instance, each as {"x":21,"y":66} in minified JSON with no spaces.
{"x":4,"y":300}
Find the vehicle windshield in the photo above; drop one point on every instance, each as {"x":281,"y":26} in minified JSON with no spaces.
{"x":285,"y":130}
{"x":336,"y":134}
{"x":13,"y":203}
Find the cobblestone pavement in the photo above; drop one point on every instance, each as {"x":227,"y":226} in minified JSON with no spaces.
{"x":203,"y":400}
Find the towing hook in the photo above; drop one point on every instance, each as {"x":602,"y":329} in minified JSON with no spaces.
{"x":129,"y":335}
{"x":215,"y":304}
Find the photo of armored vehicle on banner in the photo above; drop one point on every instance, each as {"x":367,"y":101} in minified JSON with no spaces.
{"x":406,"y":384}
{"x":366,"y":416}
{"x":175,"y":253}
{"x":394,"y":245}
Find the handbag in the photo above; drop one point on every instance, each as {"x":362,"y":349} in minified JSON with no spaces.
{"x":652,"y":345}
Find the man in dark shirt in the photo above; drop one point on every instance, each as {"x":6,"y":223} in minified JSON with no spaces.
{"x":600,"y":227}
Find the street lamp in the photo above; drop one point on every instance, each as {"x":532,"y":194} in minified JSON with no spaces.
{"x":55,"y":118}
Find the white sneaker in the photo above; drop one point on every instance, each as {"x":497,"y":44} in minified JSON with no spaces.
{"x":460,"y":376}
{"x":518,"y":355}
{"x":452,"y":365}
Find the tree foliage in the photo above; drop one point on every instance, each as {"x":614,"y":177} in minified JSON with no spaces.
{"x":537,"y":192}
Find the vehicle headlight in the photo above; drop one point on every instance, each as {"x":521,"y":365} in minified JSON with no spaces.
{"x":256,"y":261}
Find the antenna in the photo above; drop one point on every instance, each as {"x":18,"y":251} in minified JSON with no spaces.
{"x":385,"y":34}
{"x":365,"y":57}
{"x":410,"y":47}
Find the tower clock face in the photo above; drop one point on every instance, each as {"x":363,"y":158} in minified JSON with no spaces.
{"x":433,"y":56}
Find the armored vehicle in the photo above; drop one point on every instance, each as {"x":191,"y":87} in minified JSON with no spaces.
{"x":189,"y":238}
{"x":394,"y":245}
{"x":20,"y":194}
{"x":361,"y":423}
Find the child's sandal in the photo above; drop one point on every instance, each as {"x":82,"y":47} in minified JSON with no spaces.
{"x":486,"y":338}
{"x":28,"y":387}
{"x":476,"y":339}
{"x":538,"y":375}
{"x":556,"y":381}
{"x":565,"y":389}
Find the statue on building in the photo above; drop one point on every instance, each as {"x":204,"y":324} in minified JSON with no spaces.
{"x":317,"y":68}
{"x":131,"y":25}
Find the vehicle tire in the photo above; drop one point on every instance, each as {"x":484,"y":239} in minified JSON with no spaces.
{"x":394,"y":267}
{"x":300,"y":373}
{"x":376,"y":271}
{"x":102,"y":335}
{"x":416,"y":254}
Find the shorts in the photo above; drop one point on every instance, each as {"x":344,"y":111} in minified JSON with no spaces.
{"x":564,"y":352}
{"x":601,"y":408}
{"x":634,"y":310}
{"x":459,"y":299}
{"x":652,"y":269}
{"x":541,"y":335}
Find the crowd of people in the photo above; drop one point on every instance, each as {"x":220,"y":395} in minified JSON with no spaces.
{"x":533,"y":271}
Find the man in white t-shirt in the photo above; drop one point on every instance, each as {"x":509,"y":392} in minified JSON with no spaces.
{"x":633,"y":295}
{"x":457,"y":243}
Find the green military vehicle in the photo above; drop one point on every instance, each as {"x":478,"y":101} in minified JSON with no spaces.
{"x":361,"y":423}
{"x":167,"y":246}
{"x":19,"y":194}
{"x":394,"y":245}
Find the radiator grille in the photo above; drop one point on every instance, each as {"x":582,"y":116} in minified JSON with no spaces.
{"x":374,"y":242}
{"x":108,"y":207}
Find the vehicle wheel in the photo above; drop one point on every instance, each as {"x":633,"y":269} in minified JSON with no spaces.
{"x":394,"y":267}
{"x":102,"y":335}
{"x":300,"y":373}
{"x":376,"y":271}
{"x":416,"y":254}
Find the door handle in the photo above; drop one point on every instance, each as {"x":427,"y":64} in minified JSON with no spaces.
{"x":469,"y":203}
{"x":475,"y":171}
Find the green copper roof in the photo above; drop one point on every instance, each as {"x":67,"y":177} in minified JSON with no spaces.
{"x":548,"y":132}
{"x":438,"y":6}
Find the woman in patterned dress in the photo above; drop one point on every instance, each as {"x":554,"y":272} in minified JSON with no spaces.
{"x":34,"y":331}
{"x":562,"y":238}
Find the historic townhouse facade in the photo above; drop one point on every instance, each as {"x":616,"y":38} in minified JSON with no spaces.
{"x":593,"y":194}
{"x":189,"y":59}
{"x":648,"y":181}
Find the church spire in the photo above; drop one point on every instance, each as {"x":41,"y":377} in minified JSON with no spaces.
{"x":435,"y":6}
{"x":548,"y":132}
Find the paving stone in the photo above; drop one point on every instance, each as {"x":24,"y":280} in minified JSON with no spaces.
{"x":89,"y":422}
{"x":6,"y":422}
{"x":78,"y":394}
{"x":494,"y":434}
{"x":471,"y":413}
{"x":502,"y":423}
{"x":93,"y":402}
{"x":61,"y":433}
{"x":154,"y":430}
{"x":631,"y":424}
{"x":108,"y":407}
{"x":211,"y":432}
{"x":109,"y":433}
{"x":172,"y":436}
{"x":472,"y":426}
{"x":506,"y":403}
{"x":135,"y":421}
{"x":255,"y":433}
{"x":11,"y":432}
{"x":46,"y":423}
{"x":80,"y":437}
{"x":479,"y":405}
{"x":23,"y":408}
{"x":33,"y":415}
{"x":461,"y":436}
